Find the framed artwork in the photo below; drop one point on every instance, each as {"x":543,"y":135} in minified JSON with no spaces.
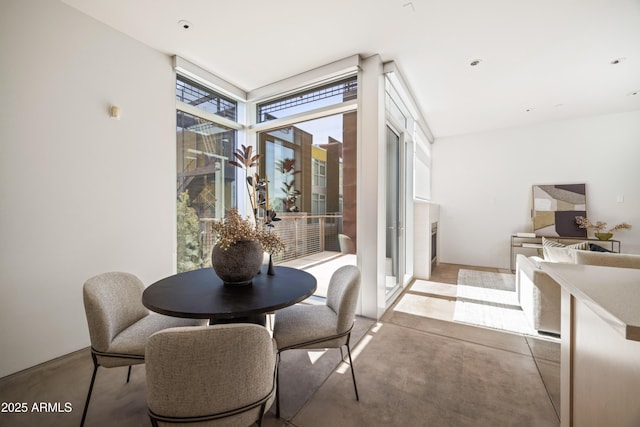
{"x":555,"y":208}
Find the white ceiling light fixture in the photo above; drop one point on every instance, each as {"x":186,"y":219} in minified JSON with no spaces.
{"x":475,"y":62}
{"x":635,"y":92}
{"x":185,"y":25}
{"x":617,"y":61}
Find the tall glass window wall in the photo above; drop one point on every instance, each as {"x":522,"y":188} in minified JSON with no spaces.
{"x":309,"y":162}
{"x":311,"y":168}
{"x":206,"y":182}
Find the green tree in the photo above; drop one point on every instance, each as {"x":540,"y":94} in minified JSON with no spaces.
{"x":189,"y":253}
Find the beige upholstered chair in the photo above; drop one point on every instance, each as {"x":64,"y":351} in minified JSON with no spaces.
{"x":119,"y":324}
{"x":221,"y":375}
{"x":322,"y":326}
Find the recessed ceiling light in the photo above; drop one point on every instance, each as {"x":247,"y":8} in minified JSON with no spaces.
{"x":529,"y":110}
{"x":617,"y":61}
{"x":185,"y":25}
{"x":635,"y":92}
{"x":475,"y":62}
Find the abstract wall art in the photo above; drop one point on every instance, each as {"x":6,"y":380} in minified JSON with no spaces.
{"x":555,"y":208}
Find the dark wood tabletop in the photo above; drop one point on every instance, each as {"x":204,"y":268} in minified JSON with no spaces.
{"x":200,"y":294}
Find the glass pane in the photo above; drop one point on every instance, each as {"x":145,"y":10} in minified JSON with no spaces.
{"x":311,"y":168}
{"x":395,"y":111}
{"x":205,"y":99}
{"x":205,"y":185}
{"x":330,"y":94}
{"x":423,"y":169}
{"x":393,"y":210}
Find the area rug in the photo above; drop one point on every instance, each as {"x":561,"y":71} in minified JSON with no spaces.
{"x":489,"y":299}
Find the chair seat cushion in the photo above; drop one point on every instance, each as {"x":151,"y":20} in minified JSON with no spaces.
{"x":298,"y":325}
{"x":133,"y":339}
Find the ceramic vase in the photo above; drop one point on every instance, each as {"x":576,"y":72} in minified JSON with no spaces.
{"x":239,"y":263}
{"x":271,"y":271}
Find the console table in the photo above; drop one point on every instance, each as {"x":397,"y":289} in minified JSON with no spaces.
{"x":521,"y":243}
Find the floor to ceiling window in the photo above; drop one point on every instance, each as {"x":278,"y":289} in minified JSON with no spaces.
{"x":311,"y":168}
{"x":306,"y":130}
{"x":206,"y":182}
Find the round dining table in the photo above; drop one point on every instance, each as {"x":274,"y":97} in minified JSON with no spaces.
{"x":201,"y":294}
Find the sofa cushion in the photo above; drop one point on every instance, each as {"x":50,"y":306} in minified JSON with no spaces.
{"x":558,"y":252}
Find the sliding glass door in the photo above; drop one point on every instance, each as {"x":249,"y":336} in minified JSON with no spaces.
{"x":394,"y":226}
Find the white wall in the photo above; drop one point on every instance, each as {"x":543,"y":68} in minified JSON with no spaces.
{"x":80,"y":193}
{"x":483,"y":181}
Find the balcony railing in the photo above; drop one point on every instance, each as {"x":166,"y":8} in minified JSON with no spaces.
{"x":302,"y":235}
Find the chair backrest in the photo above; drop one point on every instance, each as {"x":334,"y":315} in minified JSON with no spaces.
{"x":112,"y":303}
{"x":342,"y":295}
{"x":204,"y":370}
{"x":346,"y":244}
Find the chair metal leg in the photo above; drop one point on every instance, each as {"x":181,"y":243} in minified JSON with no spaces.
{"x":278,"y":390}
{"x":129,"y":373}
{"x":263,"y":409}
{"x":353,"y":375}
{"x":93,"y":378}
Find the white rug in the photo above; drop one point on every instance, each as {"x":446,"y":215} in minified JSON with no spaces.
{"x":489,"y":299}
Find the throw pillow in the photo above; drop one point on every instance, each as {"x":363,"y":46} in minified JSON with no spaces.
{"x":557,"y":252}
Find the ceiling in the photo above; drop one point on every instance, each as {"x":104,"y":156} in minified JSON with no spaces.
{"x":541,"y":60}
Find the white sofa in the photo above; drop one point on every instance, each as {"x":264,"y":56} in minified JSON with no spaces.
{"x":539,"y":294}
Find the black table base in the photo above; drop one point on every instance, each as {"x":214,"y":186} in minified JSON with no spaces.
{"x":258,"y":319}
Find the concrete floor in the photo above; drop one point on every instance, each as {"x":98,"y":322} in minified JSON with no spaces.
{"x":413,"y":369}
